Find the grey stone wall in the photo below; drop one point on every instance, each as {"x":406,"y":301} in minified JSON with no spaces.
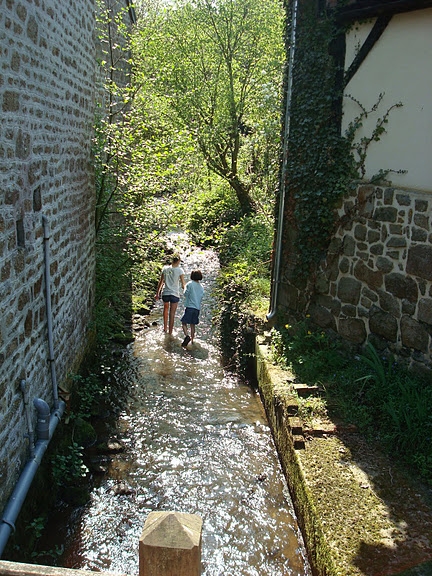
{"x":47,"y":61}
{"x":376,"y":281}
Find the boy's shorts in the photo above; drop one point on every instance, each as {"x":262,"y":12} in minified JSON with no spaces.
{"x":190,"y":316}
{"x":170,"y":298}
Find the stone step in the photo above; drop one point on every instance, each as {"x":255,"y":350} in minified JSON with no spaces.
{"x":291,"y":407}
{"x":299,"y":442}
{"x":295,"y":425}
{"x":304,"y":390}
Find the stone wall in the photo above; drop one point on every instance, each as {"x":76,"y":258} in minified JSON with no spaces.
{"x":376,"y":281}
{"x":47,"y":59}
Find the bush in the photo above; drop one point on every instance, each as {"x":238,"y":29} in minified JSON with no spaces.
{"x":243,"y":288}
{"x":310,"y":354}
{"x":233,"y":321}
{"x":248,"y":240}
{"x":209,"y":213}
{"x":68,"y":468}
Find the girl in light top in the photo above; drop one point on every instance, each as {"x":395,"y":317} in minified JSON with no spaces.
{"x":193,"y":296}
{"x":170,"y":278}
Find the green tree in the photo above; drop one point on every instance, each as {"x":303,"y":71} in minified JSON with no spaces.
{"x":128,"y":225}
{"x":215,"y":70}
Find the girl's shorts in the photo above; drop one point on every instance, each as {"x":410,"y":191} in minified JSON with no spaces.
{"x":190,"y":316}
{"x":170,"y":298}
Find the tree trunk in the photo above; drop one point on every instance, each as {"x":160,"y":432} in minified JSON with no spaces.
{"x":242,"y":192}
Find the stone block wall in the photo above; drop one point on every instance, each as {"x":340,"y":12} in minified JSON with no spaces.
{"x":376,"y":281}
{"x":47,"y":67}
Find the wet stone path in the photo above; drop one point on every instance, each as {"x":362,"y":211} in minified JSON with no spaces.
{"x":195,"y":440}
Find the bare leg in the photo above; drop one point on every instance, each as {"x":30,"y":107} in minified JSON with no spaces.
{"x":187,"y":337}
{"x":192,"y":332}
{"x":165,"y":316}
{"x":172,"y":312}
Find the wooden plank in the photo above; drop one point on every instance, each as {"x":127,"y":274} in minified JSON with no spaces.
{"x":374,"y":35}
{"x":21,"y":569}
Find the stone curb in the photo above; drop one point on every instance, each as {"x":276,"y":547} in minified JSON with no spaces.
{"x":280,"y":406}
{"x":359,"y":515}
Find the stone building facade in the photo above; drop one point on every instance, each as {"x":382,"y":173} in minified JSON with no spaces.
{"x":376,"y":281}
{"x":372,"y":282}
{"x":47,"y":58}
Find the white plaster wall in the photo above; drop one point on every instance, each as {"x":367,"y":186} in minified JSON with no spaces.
{"x":400,"y":66}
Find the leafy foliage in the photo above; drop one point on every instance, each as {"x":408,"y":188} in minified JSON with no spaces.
{"x":216,"y":69}
{"x":360,"y":147}
{"x":87,"y":393}
{"x":208,"y":213}
{"x":320,"y":165}
{"x":69,"y":467}
{"x":310,"y":354}
{"x":243,"y":287}
{"x":133,"y":164}
{"x":233,"y":319}
{"x":187,"y":132}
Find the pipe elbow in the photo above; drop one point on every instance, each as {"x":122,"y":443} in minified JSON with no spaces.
{"x":271,"y":314}
{"x":43,"y":420}
{"x":41,"y":407}
{"x":60,"y":410}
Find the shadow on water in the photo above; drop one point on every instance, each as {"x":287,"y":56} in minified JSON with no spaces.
{"x":194,"y":439}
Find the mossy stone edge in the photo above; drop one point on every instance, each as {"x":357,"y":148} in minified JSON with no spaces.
{"x":330,"y":554}
{"x":275,"y":396}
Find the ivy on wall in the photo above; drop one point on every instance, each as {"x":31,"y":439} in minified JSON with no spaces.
{"x":320,"y":164}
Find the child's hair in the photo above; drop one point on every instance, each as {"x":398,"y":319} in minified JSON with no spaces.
{"x":196,"y":275}
{"x":175,"y":258}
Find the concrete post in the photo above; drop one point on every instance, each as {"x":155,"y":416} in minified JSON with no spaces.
{"x":170,"y":545}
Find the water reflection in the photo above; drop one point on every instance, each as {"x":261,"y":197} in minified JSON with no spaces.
{"x":197,"y":441}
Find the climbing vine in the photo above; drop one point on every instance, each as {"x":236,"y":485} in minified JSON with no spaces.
{"x":360,"y":148}
{"x":320,"y":163}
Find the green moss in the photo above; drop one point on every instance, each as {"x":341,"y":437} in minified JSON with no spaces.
{"x":84,"y":433}
{"x":276,"y":396}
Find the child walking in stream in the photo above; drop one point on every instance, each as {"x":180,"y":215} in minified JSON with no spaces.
{"x":169,"y":288}
{"x":193,"y":296}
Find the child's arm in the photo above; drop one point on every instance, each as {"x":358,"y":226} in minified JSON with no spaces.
{"x":159,"y":286}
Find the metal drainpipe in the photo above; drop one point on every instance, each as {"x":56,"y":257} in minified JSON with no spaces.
{"x":278,"y":248}
{"x":51,"y":358}
{"x":16,"y":501}
{"x":30,"y":434}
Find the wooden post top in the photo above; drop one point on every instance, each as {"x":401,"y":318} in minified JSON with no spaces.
{"x":170,"y":545}
{"x":172,"y":530}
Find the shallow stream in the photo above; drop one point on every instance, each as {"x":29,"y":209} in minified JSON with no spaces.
{"x":195,"y":440}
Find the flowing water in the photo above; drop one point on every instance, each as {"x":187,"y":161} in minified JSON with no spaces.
{"x":195,"y":440}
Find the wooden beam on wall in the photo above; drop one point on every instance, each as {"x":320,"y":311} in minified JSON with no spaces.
{"x":362,"y":9}
{"x":378,"y":28}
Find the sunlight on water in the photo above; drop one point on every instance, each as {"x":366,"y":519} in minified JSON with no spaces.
{"x":197,"y":441}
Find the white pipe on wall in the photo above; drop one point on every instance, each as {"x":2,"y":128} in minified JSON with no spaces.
{"x":279,"y":230}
